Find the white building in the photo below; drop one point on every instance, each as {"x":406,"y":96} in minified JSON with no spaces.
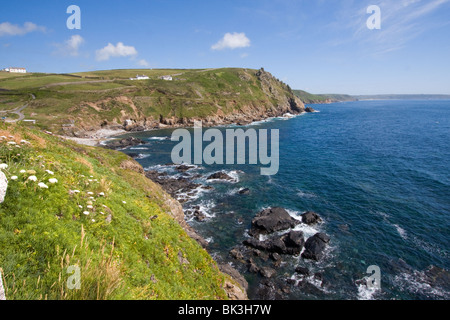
{"x":167,"y":78}
{"x":143,"y":77}
{"x":17,"y":70}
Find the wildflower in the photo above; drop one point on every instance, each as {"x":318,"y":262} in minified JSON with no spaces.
{"x":24,"y":141}
{"x":89,"y":207}
{"x":14,"y":177}
{"x":86,"y":213}
{"x":124,"y":202}
{"x":90,"y":193}
{"x":32,"y":178}
{"x":80,"y":206}
{"x":12,"y":143}
{"x":102,"y":213}
{"x":53,"y":180}
{"x":3,"y":166}
{"x":23,"y":171}
{"x":76,"y":191}
{"x":50,"y":172}
{"x":42,"y":185}
{"x":93,"y":220}
{"x":101,"y":194}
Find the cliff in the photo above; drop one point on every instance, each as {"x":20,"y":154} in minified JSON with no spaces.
{"x":76,"y":105}
{"x":69,"y":208}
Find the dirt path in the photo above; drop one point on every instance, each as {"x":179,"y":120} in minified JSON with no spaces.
{"x":17,"y":111}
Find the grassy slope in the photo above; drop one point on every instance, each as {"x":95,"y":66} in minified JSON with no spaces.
{"x":194,"y":93}
{"x":43,"y":231}
{"x":309,"y":98}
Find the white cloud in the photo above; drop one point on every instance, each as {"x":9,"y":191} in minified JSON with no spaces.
{"x":232,"y":41}
{"x":70,"y":47}
{"x":119,"y":50}
{"x":143,"y":63}
{"x":8,"y":29}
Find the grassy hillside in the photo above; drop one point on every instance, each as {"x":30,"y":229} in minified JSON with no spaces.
{"x":99,"y":97}
{"x":309,"y":98}
{"x":99,"y":213}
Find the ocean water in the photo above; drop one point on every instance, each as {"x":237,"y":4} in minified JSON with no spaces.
{"x":377,"y":172}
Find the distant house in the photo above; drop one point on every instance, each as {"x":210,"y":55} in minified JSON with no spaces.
{"x":167,"y":78}
{"x":16,"y":70}
{"x":143,"y":77}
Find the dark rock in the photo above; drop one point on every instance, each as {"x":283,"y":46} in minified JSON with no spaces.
{"x":124,"y":143}
{"x":220,"y":176}
{"x":302,"y":270}
{"x":315,"y":246}
{"x":244,"y":191}
{"x":294,"y":242}
{"x":173,"y":186}
{"x":268,"y":291}
{"x":271,"y":220}
{"x":438,"y":277}
{"x":310,"y":218}
{"x":275,"y":256}
{"x":309,"y":109}
{"x":252,"y":267}
{"x":318,"y":276}
{"x":237,"y":254}
{"x":267,"y":272}
{"x":184,"y":168}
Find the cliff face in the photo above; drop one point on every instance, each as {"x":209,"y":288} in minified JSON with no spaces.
{"x":216,"y":97}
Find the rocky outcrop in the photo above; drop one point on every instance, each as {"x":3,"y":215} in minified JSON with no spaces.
{"x":220,"y":176}
{"x":124,"y":143}
{"x":315,"y":246}
{"x":173,"y":186}
{"x":272,"y":220}
{"x":310,"y":218}
{"x":3,"y":186}
{"x":309,"y":110}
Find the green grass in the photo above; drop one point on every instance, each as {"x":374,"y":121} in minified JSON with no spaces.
{"x":43,"y":231}
{"x":193,"y":93}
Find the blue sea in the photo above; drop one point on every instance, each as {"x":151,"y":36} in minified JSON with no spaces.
{"x":377,"y":172}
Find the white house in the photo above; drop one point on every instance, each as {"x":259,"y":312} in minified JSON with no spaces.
{"x":167,"y":78}
{"x":143,"y":77}
{"x":17,"y":70}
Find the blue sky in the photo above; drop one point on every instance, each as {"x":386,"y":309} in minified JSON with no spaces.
{"x":320,"y":46}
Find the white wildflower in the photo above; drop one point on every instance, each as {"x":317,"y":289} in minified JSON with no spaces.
{"x":89,"y":207}
{"x":93,"y":220}
{"x":102,"y":213}
{"x":86,"y":213}
{"x":14,"y":177}
{"x":23,"y":171}
{"x":42,"y":185}
{"x":80,"y":206}
{"x":101,"y":194}
{"x":12,"y":143}
{"x":32,"y":178}
{"x":90,"y":193}
{"x":3,"y":166}
{"x":76,"y":191}
{"x":124,"y":202}
{"x":53,"y":181}
{"x":50,"y":172}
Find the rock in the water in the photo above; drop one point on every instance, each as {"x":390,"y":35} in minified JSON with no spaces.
{"x":272,"y":220}
{"x":290,"y":243}
{"x":267,"y":272}
{"x":124,"y":143}
{"x":3,"y":186}
{"x":302,"y":271}
{"x":438,"y":277}
{"x":244,"y":191}
{"x":315,"y":246}
{"x":310,"y":217}
{"x":309,"y":109}
{"x":220,"y":176}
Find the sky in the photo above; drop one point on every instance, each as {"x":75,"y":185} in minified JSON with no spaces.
{"x":323,"y":46}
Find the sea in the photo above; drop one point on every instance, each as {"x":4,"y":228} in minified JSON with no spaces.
{"x":377,"y":173}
